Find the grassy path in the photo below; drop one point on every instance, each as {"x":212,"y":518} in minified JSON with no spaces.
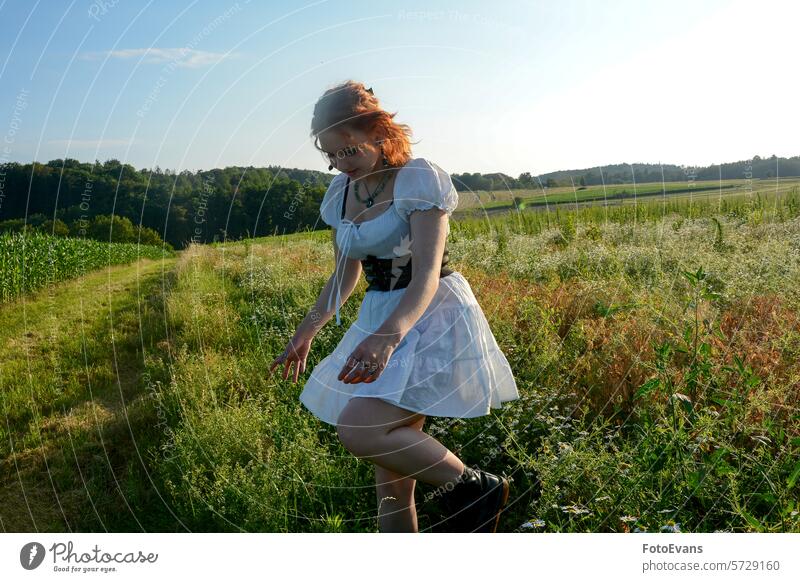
{"x":76,"y":421}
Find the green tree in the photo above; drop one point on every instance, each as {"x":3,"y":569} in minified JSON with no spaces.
{"x":56,"y":227}
{"x":111,"y":228}
{"x":525,"y":180}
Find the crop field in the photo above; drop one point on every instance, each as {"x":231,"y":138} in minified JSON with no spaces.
{"x":33,"y":260}
{"x":542,"y":198}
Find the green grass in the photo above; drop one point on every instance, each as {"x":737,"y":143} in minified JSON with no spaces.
{"x":655,"y":392}
{"x":750,"y":209}
{"x":537,"y":198}
{"x":655,"y":347}
{"x":77,"y":416}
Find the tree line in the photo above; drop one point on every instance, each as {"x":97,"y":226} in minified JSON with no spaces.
{"x":115,"y":202}
{"x":755,"y":168}
{"x":73,"y":198}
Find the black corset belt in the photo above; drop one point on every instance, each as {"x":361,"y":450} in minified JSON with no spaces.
{"x":380,"y":277}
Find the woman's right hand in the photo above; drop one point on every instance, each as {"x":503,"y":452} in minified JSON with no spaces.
{"x":295,"y":353}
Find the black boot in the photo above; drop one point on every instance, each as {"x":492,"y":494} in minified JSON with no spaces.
{"x":474,"y":502}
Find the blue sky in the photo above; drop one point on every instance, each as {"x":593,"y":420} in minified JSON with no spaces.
{"x":502,"y":86}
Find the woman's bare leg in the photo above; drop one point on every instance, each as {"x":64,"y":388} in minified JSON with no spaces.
{"x":397,"y":510}
{"x":379,"y":431}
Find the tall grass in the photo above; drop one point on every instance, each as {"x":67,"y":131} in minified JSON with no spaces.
{"x":749,"y":209}
{"x":657,"y":356}
{"x":30,"y":261}
{"x":658,"y":368}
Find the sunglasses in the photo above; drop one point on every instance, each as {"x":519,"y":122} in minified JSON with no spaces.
{"x":345,"y":152}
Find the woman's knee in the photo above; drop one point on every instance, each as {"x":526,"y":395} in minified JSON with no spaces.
{"x":364,"y":421}
{"x":359,"y":440}
{"x":354,"y":433}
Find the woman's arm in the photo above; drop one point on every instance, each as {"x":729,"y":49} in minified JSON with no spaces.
{"x":428,"y":238}
{"x":318,"y":316}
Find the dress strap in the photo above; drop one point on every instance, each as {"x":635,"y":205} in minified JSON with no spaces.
{"x":349,"y":234}
{"x":344,"y":200}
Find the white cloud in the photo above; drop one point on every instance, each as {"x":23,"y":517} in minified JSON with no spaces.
{"x":181,"y":57}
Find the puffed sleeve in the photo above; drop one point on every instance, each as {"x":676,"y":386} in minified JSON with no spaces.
{"x":331,"y":207}
{"x":421,"y":185}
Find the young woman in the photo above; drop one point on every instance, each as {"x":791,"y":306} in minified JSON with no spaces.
{"x":421,"y":345}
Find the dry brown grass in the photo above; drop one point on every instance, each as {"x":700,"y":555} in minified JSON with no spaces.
{"x":757,"y":329}
{"x":619,"y":349}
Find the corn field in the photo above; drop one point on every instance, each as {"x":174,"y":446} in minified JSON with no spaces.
{"x":33,"y":260}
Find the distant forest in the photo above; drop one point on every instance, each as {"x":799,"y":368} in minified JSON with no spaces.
{"x":115,"y":201}
{"x":70,"y":197}
{"x":757,"y":168}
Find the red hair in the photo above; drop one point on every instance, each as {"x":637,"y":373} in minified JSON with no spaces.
{"x":351,"y":105}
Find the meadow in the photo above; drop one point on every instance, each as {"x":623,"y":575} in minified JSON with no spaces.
{"x":479,"y":202}
{"x":655,"y":346}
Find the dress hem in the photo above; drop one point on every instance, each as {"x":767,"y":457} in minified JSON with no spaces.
{"x":482,"y":412}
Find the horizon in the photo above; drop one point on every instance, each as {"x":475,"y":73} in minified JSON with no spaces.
{"x":268,"y":166}
{"x":545,"y":87}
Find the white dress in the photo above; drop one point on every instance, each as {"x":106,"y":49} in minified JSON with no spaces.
{"x":449,"y":363}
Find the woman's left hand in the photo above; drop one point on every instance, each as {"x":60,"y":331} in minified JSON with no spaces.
{"x":367,"y":362}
